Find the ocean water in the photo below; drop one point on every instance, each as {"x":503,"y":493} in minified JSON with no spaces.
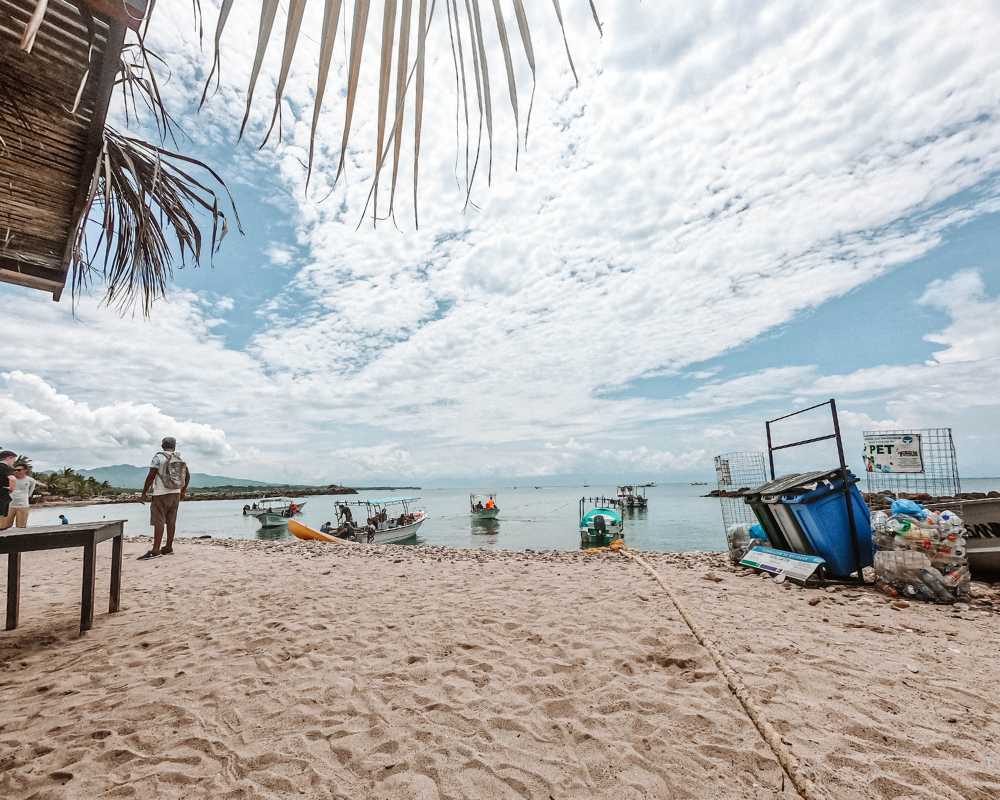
{"x":678,"y":517}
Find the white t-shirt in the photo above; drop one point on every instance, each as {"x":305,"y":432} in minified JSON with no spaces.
{"x":158,"y":488}
{"x":23,"y":489}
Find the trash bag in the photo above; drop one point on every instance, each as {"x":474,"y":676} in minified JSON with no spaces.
{"x":908,"y":507}
{"x":921,"y":554}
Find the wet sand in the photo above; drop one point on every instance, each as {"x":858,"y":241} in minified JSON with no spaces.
{"x":244,"y":669}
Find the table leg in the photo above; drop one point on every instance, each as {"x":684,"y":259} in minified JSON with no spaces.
{"x":87,"y":599}
{"x":13,"y":588}
{"x":116,"y":574}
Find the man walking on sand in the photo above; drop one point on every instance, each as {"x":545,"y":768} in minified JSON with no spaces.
{"x":168,"y":478}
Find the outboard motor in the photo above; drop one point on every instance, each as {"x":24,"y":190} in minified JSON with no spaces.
{"x":599,"y":525}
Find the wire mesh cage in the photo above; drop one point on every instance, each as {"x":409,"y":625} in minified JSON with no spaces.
{"x":735,"y":474}
{"x":918,"y":461}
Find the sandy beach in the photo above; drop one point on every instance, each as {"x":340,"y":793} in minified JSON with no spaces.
{"x":269,"y":670}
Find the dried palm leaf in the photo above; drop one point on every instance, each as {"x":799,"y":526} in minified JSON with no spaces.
{"x":562,"y":27}
{"x":402,"y":63}
{"x":268,"y":10}
{"x":419,"y":103}
{"x":459,"y":24}
{"x":484,"y":68}
{"x":384,"y":79}
{"x":296,"y":8}
{"x":529,"y":53}
{"x":361,"y":8}
{"x":331,"y":18}
{"x":31,"y":29}
{"x":138,"y":195}
{"x":511,"y":83}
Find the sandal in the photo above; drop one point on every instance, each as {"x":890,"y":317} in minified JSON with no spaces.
{"x":148,"y":555}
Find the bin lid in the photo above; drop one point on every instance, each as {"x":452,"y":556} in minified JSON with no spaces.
{"x":788,"y":484}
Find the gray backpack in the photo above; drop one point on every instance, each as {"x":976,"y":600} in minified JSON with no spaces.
{"x":173,"y":471}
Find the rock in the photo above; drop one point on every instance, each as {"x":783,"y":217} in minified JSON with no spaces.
{"x":913,"y":668}
{"x":711,"y":576}
{"x":899,"y":604}
{"x":815,"y":601}
{"x":961,"y":607}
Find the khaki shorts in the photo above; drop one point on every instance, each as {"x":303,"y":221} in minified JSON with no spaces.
{"x":163,"y":509}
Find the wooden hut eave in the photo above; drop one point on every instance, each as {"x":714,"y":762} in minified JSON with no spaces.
{"x":47,"y":151}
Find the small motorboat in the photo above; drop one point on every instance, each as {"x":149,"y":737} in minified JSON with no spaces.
{"x":599,"y":526}
{"x":272,"y":512}
{"x":378,"y":528}
{"x":483,"y":506}
{"x":631,"y":497}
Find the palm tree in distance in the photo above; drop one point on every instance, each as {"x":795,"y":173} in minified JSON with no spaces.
{"x":141,"y":191}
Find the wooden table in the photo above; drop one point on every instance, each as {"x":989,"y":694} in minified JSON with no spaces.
{"x":87,"y":535}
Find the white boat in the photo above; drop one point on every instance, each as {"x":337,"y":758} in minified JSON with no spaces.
{"x":484,"y":506}
{"x":631,"y":497}
{"x":272,"y":512}
{"x":382,"y":525}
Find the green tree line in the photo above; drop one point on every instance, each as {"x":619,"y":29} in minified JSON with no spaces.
{"x":67,"y":482}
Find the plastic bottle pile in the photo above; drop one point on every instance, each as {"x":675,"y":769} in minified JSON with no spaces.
{"x":742,"y":537}
{"x":920,"y":554}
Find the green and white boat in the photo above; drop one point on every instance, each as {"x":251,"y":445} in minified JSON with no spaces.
{"x":599,"y":523}
{"x":484,"y":506}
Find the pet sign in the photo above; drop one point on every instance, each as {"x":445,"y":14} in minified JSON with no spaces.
{"x":893,"y":452}
{"x":797,"y":566}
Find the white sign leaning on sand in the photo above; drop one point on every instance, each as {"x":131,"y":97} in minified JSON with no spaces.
{"x":893,"y":453}
{"x":780,"y":562}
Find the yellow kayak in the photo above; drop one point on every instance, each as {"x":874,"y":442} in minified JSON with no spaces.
{"x":300,"y":531}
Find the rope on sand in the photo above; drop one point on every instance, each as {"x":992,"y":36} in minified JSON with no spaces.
{"x":789,"y":763}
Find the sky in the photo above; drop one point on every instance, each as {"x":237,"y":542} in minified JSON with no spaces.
{"x":742,"y":209}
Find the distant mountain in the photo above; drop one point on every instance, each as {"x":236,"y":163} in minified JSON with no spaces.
{"x":127,"y":476}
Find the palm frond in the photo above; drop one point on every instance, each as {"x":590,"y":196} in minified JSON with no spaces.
{"x":146,"y":204}
{"x":464,"y":19}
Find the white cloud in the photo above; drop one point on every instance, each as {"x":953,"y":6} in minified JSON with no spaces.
{"x":722,"y":169}
{"x":44,"y":423}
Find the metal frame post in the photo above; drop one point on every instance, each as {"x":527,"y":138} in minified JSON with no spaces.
{"x":844,"y":473}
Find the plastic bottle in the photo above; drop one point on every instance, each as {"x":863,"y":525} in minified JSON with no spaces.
{"x":934,"y":581}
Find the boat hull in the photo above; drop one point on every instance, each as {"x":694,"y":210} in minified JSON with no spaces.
{"x":300,"y":531}
{"x":386,"y":536}
{"x":270,"y":520}
{"x":486,"y":513}
{"x":594,"y":538}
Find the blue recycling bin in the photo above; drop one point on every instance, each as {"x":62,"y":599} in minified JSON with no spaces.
{"x":822,"y":516}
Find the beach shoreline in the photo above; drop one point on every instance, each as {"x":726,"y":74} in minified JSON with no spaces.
{"x":251,"y":669}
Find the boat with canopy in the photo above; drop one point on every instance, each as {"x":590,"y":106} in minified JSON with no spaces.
{"x":631,"y":497}
{"x":376,"y":522}
{"x":272,"y":512}
{"x":484,"y":506}
{"x":599,"y":523}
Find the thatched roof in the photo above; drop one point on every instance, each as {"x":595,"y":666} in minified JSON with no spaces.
{"x":48,"y":151}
